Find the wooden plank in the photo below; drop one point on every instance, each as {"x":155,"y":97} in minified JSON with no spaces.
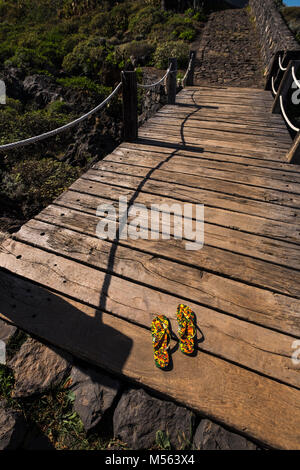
{"x":212,"y":124}
{"x":278,"y":191}
{"x":231,"y":220}
{"x":226,"y":218}
{"x":275,"y":251}
{"x":241,"y":342}
{"x":189,"y":194}
{"x":188,"y":132}
{"x":213,"y":141}
{"x":175,"y":144}
{"x":206,"y":113}
{"x":259,"y":407}
{"x":212,"y":157}
{"x":195,"y":165}
{"x":238,"y":267}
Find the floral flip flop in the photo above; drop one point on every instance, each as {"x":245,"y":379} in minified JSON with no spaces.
{"x":186,"y":328}
{"x":161,"y":339}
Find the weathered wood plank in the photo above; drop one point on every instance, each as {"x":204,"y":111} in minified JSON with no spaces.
{"x":190,"y":194}
{"x":212,"y":141}
{"x":239,"y":267}
{"x":278,"y":191}
{"x":259,"y":407}
{"x":212,"y":157}
{"x":242,"y":172}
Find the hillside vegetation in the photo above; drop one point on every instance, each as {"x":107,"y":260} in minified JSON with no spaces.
{"x":58,"y":60}
{"x":292,"y":18}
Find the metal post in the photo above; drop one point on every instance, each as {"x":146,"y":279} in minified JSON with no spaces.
{"x":130,"y":117}
{"x":172,"y":81}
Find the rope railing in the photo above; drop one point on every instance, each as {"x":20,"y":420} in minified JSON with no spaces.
{"x":45,"y":135}
{"x":130,"y":120}
{"x":273,"y":87}
{"x":296,"y":129}
{"x":280,"y":64}
{"x":188,"y":69}
{"x":152,"y":85}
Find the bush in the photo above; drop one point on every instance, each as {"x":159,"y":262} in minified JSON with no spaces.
{"x":86,"y":58}
{"x":29,"y":59}
{"x":178,"y":49}
{"x":140,"y":50}
{"x":187,"y":35}
{"x":83,"y":83}
{"x":35,"y":183}
{"x":141,"y":23}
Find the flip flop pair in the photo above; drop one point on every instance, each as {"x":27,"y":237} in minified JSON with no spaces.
{"x":161,"y":336}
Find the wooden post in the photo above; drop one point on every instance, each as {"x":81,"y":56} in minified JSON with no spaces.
{"x":190,"y":75}
{"x":285,"y":85}
{"x":130,"y":117}
{"x":293,"y":155}
{"x":172,"y":81}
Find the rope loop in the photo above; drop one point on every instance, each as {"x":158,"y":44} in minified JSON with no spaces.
{"x":152,"y":85}
{"x":37,"y":138}
{"x":280,"y":64}
{"x":296,"y":129}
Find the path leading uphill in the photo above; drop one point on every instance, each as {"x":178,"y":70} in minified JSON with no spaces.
{"x":228,"y":52}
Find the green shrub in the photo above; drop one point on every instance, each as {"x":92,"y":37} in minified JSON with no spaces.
{"x":84,"y":83}
{"x":141,"y":23}
{"x":35,"y":183}
{"x":56,"y":108}
{"x":141,"y":50}
{"x":187,"y":35}
{"x":178,"y":49}
{"x":86,"y":58}
{"x":29,"y":59}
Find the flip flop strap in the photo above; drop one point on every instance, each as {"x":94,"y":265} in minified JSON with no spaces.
{"x":160,"y":336}
{"x":184,"y":327}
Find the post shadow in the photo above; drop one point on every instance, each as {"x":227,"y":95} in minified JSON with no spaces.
{"x":114,"y":245}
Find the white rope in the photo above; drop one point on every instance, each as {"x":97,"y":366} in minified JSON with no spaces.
{"x":156,"y":83}
{"x":280,"y":65}
{"x":295,"y":78}
{"x":37,"y":138}
{"x":188,"y":70}
{"x":273,"y":88}
{"x":285,"y":116}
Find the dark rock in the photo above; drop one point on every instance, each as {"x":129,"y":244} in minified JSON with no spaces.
{"x":13,"y":79}
{"x":211,"y":436}
{"x":139,"y":416}
{"x":37,"y":368}
{"x":42,"y":89}
{"x":94,"y":394}
{"x":6,"y":331}
{"x":13,"y":429}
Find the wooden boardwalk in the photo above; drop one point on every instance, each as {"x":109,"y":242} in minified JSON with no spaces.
{"x":220,"y":147}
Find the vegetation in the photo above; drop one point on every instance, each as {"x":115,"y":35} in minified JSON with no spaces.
{"x":292,"y":18}
{"x":80,"y":46}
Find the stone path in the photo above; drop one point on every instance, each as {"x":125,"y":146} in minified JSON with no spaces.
{"x":228,"y":51}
